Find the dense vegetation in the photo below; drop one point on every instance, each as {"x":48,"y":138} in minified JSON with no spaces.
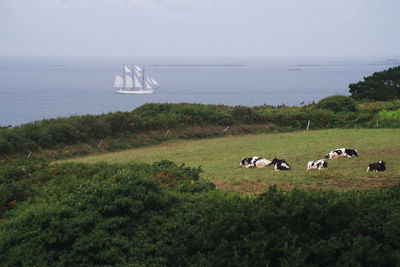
{"x":380,"y":86}
{"x":24,"y":179}
{"x":147,"y":215}
{"x":154,"y":123}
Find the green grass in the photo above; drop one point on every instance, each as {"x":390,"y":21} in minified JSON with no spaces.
{"x":220,"y":157}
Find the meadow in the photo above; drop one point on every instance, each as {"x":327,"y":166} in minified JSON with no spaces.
{"x":220,"y":157}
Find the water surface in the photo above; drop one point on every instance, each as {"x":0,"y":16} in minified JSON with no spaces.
{"x":38,"y":88}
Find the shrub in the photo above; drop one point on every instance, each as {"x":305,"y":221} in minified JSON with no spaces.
{"x":168,"y":173}
{"x":244,"y":114}
{"x":337,"y":103}
{"x":116,"y":214}
{"x":389,"y":115}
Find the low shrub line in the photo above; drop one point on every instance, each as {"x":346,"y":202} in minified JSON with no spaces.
{"x":155,"y":123}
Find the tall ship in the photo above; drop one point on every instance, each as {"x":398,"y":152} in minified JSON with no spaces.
{"x":134,"y":81}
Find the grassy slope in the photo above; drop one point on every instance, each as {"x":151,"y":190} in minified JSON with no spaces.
{"x":220,"y":158}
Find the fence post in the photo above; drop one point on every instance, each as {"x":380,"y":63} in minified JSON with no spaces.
{"x":98,"y":146}
{"x":308,"y":125}
{"x":166,"y":133}
{"x":29,"y":155}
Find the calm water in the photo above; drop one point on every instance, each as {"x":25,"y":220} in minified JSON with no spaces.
{"x":33,"y":89}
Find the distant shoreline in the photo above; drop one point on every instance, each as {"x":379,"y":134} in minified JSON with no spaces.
{"x":197,"y":65}
{"x":387,"y":62}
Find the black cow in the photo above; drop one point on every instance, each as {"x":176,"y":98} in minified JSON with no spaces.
{"x":280,"y":165}
{"x":377,"y":166}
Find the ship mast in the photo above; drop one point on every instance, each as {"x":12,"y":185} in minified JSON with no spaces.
{"x":133,"y":77}
{"x":123,"y":75}
{"x":143,"y":82}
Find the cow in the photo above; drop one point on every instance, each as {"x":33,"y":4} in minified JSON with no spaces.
{"x":342,"y":152}
{"x":254,"y":162}
{"x":280,"y":165}
{"x":377,"y":166}
{"x":320,"y":164}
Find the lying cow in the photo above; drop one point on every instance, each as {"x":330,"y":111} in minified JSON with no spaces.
{"x":317,"y":165}
{"x":342,"y":152}
{"x":377,"y":166}
{"x":254,"y":162}
{"x":280,"y":165}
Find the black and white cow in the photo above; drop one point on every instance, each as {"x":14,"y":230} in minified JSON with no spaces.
{"x":280,"y":165}
{"x":254,"y":162}
{"x":341,"y":153}
{"x":377,"y":166}
{"x":320,"y":164}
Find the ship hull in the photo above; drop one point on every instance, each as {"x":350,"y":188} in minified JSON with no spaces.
{"x":137,"y":92}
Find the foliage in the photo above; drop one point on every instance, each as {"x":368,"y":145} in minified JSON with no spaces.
{"x":19,"y":180}
{"x":337,"y":103}
{"x":242,"y":113}
{"x":389,"y":114}
{"x":154,"y":123}
{"x":85,"y":215}
{"x":381,"y":86}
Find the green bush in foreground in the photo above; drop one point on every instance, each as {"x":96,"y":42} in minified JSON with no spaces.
{"x":27,"y":179}
{"x":120,"y":215}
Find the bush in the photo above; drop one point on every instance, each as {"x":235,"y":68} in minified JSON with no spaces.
{"x":389,"y":115}
{"x":128,"y":219}
{"x":337,"y":103}
{"x":244,"y":114}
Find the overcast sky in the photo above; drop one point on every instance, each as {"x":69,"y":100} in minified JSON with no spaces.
{"x":200,"y":27}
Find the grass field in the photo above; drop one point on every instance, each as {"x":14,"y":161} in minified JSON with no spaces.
{"x":220,"y":157}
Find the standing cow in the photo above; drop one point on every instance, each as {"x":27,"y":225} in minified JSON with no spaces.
{"x":320,"y":164}
{"x":342,"y":152}
{"x":254,"y":162}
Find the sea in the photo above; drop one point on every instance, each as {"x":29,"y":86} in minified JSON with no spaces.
{"x":37,"y":88}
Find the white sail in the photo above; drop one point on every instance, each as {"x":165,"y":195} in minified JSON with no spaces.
{"x":119,"y":82}
{"x":154,"y":82}
{"x":128,"y":81}
{"x":137,"y":85}
{"x":134,"y":81}
{"x":126,"y":69}
{"x":147,"y":85}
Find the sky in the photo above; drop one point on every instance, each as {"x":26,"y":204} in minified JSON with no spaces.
{"x":212,"y":28}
